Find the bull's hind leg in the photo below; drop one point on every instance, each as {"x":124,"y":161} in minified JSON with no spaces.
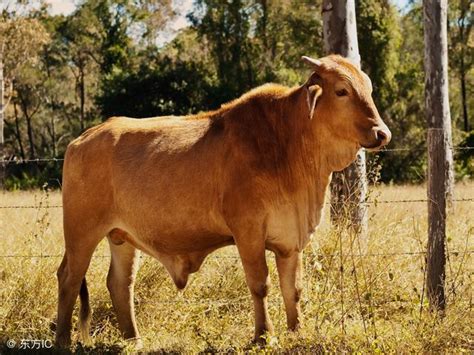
{"x":120,"y":282}
{"x":289,"y":272}
{"x":70,"y":275}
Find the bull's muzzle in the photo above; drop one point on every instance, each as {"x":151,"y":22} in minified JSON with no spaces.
{"x":383,"y":136}
{"x":380,"y":136}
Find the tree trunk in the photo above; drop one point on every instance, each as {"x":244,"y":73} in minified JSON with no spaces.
{"x":82,"y":93}
{"x":2,"y":138}
{"x":465,"y":27}
{"x":18,"y":133}
{"x":31,"y":140}
{"x":264,"y":20}
{"x":463,"y":95}
{"x":53,"y":135}
{"x":24,"y":102}
{"x":440,"y":158}
{"x":349,"y":187}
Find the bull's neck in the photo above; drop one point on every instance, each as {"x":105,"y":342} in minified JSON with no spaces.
{"x":313,"y":153}
{"x":310,"y":176}
{"x":306,"y":171}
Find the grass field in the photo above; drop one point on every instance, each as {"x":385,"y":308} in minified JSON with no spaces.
{"x":373,"y":304}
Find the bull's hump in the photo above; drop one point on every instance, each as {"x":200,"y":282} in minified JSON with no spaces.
{"x":148,"y":123}
{"x":176,"y":130}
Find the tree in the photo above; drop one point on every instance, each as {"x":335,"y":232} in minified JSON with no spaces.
{"x":286,"y":30}
{"x":76,"y":40}
{"x":379,"y":49}
{"x":160,"y":87}
{"x":21,"y":40}
{"x":349,"y":187}
{"x":120,"y":24}
{"x":226,"y":27}
{"x":405,"y":106}
{"x":462,"y":50}
{"x":251,"y":42}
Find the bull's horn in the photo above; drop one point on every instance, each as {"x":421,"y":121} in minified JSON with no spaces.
{"x":312,"y":61}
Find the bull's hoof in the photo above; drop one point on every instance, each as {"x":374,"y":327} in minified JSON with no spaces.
{"x":294,"y":328}
{"x":135,"y":343}
{"x":181,"y":282}
{"x":263,"y":342}
{"x":62,"y":343}
{"x":267,"y":339}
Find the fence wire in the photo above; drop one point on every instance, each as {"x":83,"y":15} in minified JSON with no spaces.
{"x":320,"y":254}
{"x":468,"y":199}
{"x":43,"y":206}
{"x":15,"y":161}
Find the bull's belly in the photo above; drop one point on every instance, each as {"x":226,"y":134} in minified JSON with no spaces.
{"x":181,"y":252}
{"x":186,"y":242}
{"x":175,"y":237}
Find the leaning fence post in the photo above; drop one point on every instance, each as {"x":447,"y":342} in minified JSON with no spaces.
{"x":440,"y":159}
{"x":348,"y":187}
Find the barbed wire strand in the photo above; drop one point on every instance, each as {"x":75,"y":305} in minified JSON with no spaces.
{"x":25,"y":161}
{"x":468,"y":199}
{"x":46,"y":160}
{"x":414,"y":253}
{"x":414,"y":149}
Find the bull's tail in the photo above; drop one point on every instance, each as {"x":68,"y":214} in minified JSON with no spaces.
{"x":85,"y":312}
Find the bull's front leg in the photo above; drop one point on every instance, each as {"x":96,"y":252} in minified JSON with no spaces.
{"x":252,"y":254}
{"x":290,"y":274}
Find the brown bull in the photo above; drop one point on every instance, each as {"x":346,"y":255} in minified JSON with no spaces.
{"x":253,"y":173}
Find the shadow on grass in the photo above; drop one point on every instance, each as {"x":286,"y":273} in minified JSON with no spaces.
{"x":252,"y":348}
{"x":102,"y":348}
{"x":98,"y":348}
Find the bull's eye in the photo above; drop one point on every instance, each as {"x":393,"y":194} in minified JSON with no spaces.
{"x":342,"y":92}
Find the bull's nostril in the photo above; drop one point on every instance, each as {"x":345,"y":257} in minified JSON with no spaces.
{"x":381,"y":136}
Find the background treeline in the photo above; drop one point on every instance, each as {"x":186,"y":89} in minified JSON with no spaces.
{"x":67,"y":73}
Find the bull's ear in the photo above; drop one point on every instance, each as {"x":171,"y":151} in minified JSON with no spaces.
{"x":313,"y":91}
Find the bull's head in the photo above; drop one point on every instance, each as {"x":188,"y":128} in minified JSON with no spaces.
{"x":339,"y":96}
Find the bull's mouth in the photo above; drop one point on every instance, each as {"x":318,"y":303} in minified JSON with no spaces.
{"x":374,"y":147}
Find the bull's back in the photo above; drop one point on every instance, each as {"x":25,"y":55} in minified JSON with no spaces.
{"x":155,"y":178}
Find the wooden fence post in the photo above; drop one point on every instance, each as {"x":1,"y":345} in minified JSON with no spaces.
{"x":440,"y":158}
{"x":349,"y":187}
{"x":2,"y":137}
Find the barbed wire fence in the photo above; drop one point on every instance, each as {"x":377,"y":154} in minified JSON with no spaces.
{"x":16,"y":160}
{"x":336,"y":258}
{"x":369,"y":202}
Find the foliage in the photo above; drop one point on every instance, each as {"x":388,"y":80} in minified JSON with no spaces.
{"x":379,"y":45}
{"x":226,"y":27}
{"x":398,"y":74}
{"x":21,"y":41}
{"x":74,"y":71}
{"x":157,"y":88}
{"x":253,"y":42}
{"x":465,"y":157}
{"x":461,"y":49}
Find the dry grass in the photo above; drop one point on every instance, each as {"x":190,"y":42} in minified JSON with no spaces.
{"x":375,"y":304}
